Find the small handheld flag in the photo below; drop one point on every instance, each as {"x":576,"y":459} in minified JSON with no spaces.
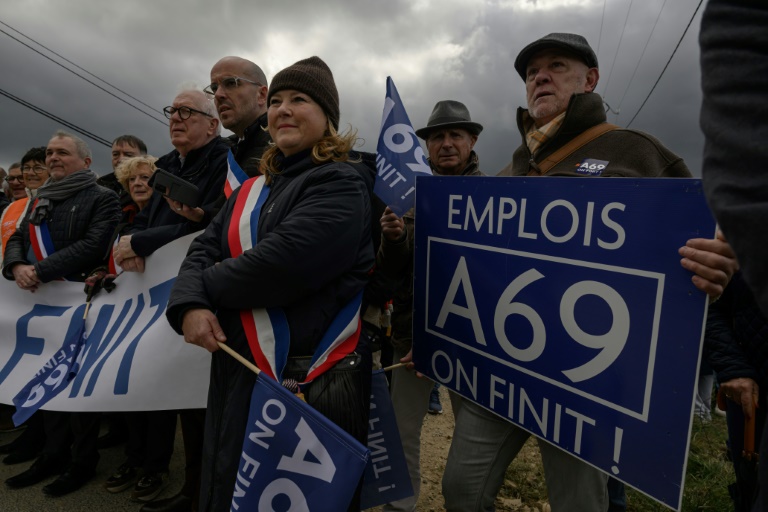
{"x":399,"y":156}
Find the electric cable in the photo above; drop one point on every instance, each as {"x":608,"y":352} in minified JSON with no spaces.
{"x":613,"y":64}
{"x":658,"y":17}
{"x":600,"y":36}
{"x":64,"y":122}
{"x":74,"y":64}
{"x":158,"y":119}
{"x":667,"y":64}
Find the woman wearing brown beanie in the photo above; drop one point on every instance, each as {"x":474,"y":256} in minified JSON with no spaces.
{"x":292,"y":247}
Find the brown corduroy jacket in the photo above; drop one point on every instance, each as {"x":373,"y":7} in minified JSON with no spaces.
{"x":628,"y":153}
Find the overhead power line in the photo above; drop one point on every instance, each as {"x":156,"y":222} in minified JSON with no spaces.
{"x":667,"y":64}
{"x":71,"y":126}
{"x":78,"y":67}
{"x":602,"y":20}
{"x":158,"y":119}
{"x":658,"y":17}
{"x":613,"y":64}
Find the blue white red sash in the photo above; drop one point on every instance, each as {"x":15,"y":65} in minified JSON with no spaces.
{"x":267,"y":329}
{"x":114,"y":268}
{"x":40,"y":239}
{"x":235,"y":175}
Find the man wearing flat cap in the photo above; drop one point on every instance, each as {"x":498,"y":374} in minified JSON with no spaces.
{"x":565,"y":133}
{"x":450,"y":135}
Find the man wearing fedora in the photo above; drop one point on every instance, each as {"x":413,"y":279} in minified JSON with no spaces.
{"x":564,"y":128}
{"x":450,"y":135}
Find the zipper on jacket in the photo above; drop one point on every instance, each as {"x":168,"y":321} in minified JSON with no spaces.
{"x":71,"y":220}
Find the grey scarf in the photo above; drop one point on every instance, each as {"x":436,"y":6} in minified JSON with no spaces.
{"x":53,"y":191}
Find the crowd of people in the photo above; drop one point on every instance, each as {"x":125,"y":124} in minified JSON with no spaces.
{"x":299,"y":240}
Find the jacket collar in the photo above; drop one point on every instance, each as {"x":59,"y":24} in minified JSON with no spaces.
{"x":584,"y":111}
{"x":472,"y":168}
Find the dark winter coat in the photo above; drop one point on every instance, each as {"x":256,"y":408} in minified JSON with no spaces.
{"x":629,"y":153}
{"x":395,"y":260}
{"x":157,"y":225}
{"x":313,"y":256}
{"x":736,"y":340}
{"x":80,"y":227}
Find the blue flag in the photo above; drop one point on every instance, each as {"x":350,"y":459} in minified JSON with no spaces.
{"x":294,"y":458}
{"x":399,"y":157}
{"x":386,"y":476}
{"x":54,"y":376}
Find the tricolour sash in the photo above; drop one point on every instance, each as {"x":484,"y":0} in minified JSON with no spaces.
{"x":114,"y":268}
{"x":267,"y":330}
{"x":40,"y":239}
{"x":236,"y":176}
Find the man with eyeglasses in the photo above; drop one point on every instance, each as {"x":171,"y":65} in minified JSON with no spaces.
{"x":239,"y":90}
{"x":199,"y":157}
{"x":15,"y":180}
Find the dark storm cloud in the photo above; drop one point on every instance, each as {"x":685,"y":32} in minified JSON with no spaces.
{"x":433,"y":50}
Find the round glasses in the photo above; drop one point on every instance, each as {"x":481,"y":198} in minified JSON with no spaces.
{"x":9,"y":179}
{"x":184,"y":112}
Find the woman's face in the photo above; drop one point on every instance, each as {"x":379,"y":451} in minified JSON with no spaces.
{"x":137,"y":185}
{"x":35,"y":174}
{"x":296,"y":122}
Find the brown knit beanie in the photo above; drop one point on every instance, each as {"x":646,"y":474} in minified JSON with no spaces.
{"x":311,"y":76}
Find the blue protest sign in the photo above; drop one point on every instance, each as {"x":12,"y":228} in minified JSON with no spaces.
{"x":560,"y":305}
{"x":55,"y":375}
{"x":399,"y":157}
{"x":293,"y":457}
{"x":386,"y":475}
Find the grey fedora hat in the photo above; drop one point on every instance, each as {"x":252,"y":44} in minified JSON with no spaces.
{"x":574,"y":43}
{"x":449,"y":114}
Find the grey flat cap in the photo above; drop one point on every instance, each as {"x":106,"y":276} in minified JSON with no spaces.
{"x":574,"y":43}
{"x":449,"y":114}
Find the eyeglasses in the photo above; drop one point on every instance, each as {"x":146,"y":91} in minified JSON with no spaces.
{"x":37,"y":169}
{"x":229,"y":83}
{"x":9,"y":179}
{"x":184,"y":112}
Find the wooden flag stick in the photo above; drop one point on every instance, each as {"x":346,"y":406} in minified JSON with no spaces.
{"x":394,"y":366}
{"x":240,"y":358}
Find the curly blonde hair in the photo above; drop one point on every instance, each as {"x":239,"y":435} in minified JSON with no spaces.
{"x":127,"y":166}
{"x":333,"y":147}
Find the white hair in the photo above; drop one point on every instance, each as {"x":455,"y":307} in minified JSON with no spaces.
{"x":202,"y":102}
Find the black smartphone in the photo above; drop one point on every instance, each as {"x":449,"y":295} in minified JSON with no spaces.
{"x":176,"y":188}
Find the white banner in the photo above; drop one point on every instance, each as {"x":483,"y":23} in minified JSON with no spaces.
{"x":133,"y":360}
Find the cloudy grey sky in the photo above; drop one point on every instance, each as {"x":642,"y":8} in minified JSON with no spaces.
{"x":446,"y":49}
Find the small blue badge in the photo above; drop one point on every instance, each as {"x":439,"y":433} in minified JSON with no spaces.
{"x":591,"y":167}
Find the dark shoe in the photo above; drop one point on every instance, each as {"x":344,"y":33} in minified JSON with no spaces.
{"x":434,"y":402}
{"x":71,"y":480}
{"x":21,"y":455}
{"x":125,"y":477}
{"x":149,"y":486}
{"x":43,"y":467}
{"x":7,"y":425}
{"x":178,"y":503}
{"x":111,"y":439}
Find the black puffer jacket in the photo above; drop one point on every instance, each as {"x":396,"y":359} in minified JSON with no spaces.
{"x":157,"y":225}
{"x":313,"y":256}
{"x":80,"y":227}
{"x":736,"y":340}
